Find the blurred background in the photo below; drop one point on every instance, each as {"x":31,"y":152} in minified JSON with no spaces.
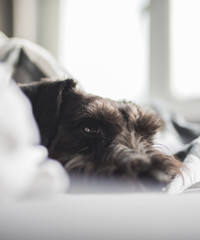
{"x":140,"y":50}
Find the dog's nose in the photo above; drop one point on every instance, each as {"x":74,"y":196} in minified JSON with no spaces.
{"x":131,"y":160}
{"x":140,"y":162}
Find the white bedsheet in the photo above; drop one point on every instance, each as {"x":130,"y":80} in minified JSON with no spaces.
{"x":103,"y":217}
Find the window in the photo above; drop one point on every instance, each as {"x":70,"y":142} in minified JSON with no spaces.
{"x":175,"y":55}
{"x":139,"y":50}
{"x":104,"y":45}
{"x":185,"y":51}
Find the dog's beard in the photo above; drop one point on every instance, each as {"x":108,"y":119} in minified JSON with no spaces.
{"x":146,"y":171}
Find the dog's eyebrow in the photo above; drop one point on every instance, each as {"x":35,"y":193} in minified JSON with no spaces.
{"x":103,"y":109}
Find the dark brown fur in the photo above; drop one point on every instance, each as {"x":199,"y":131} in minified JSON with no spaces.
{"x":98,"y":137}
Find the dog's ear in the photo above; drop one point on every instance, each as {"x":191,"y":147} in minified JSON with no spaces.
{"x":147,"y":123}
{"x":46,"y":99}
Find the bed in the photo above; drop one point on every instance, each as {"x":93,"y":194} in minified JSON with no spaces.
{"x":34,"y":199}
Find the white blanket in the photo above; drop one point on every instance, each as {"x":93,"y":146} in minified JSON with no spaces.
{"x":190,"y":178}
{"x":24,"y":166}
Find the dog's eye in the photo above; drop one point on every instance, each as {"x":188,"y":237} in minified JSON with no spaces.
{"x":91,"y":131}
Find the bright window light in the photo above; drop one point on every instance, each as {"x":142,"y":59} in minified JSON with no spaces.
{"x":103,"y":43}
{"x":185,"y":48}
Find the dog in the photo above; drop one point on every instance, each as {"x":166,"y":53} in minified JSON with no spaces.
{"x":97,"y":137}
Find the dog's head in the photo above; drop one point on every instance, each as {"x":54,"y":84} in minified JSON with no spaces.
{"x":94,"y":136}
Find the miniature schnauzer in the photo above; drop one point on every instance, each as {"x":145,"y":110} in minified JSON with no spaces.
{"x":97,"y":137}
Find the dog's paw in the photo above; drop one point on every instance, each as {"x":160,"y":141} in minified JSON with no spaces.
{"x":157,"y":170}
{"x":149,"y":171}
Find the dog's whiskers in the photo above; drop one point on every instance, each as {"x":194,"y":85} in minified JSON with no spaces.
{"x":162,"y":147}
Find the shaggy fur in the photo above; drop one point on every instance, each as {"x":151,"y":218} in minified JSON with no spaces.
{"x":97,"y":137}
